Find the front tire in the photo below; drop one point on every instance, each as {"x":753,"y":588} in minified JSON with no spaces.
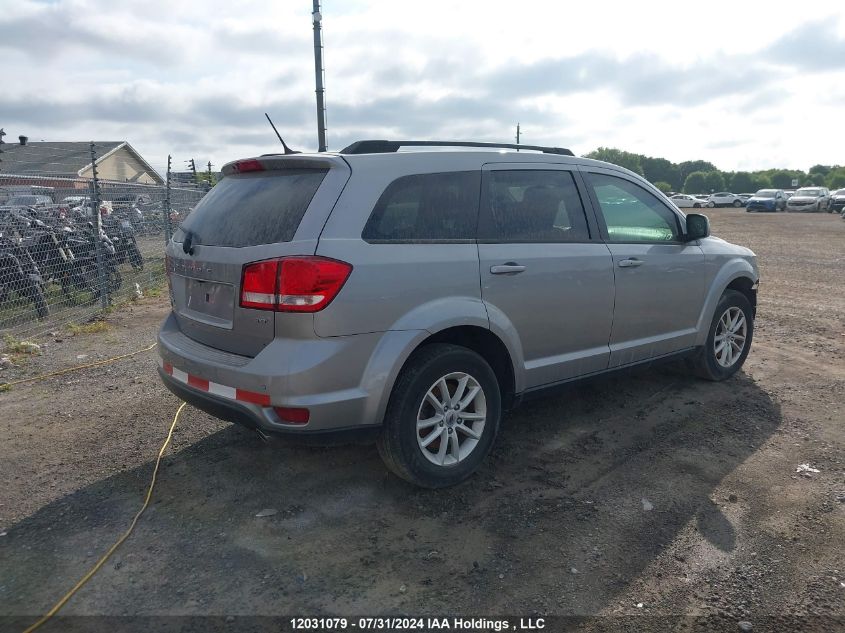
{"x":737,"y":203}
{"x":728,"y":340}
{"x":442,"y":417}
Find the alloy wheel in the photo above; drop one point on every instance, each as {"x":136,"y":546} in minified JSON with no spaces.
{"x":451,"y":419}
{"x":729,"y":341}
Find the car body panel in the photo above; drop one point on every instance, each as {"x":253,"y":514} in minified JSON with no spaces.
{"x":557,"y":324}
{"x":758,"y":202}
{"x":809,"y":199}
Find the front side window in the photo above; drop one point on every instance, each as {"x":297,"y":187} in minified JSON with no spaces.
{"x":631,"y":213}
{"x":426,"y":207}
{"x":532,"y":206}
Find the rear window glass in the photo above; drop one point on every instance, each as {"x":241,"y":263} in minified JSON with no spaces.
{"x":426,"y":207}
{"x":253,"y":209}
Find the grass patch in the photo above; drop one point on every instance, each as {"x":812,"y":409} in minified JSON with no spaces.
{"x":16,"y":347}
{"x":92,"y":327}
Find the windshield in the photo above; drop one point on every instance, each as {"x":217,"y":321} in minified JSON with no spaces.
{"x":839,"y":192}
{"x":765,"y":193}
{"x":808,"y":192}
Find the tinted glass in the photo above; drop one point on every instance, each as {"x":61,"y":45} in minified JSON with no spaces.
{"x":253,"y":209}
{"x":631,"y":213}
{"x":426,"y":207}
{"x":532,"y":206}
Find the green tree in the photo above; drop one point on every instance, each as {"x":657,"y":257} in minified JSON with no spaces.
{"x":665,"y":187}
{"x":695,"y":182}
{"x":836,"y":179}
{"x":689,"y":166}
{"x":661,"y":170}
{"x":782,"y":179}
{"x":714,"y":181}
{"x":742,"y":182}
{"x":618,"y":157}
{"x":824,"y":170}
{"x":760,"y":180}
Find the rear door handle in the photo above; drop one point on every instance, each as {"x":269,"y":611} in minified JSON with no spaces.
{"x":510,"y":268}
{"x":630,"y":263}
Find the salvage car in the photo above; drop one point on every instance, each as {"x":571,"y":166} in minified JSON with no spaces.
{"x":416,"y":296}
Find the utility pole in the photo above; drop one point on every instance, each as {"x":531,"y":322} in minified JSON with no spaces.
{"x":209,"y":175}
{"x":193,"y":167}
{"x":166,"y":211}
{"x":2,"y":142}
{"x":517,"y":133}
{"x":317,"y":18}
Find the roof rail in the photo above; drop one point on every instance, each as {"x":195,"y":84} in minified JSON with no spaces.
{"x":385,"y":147}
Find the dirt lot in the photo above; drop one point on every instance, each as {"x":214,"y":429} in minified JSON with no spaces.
{"x":641,"y":498}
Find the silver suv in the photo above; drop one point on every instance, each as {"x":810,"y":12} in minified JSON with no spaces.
{"x":419,"y":294}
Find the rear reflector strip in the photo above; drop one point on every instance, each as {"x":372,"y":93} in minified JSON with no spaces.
{"x":224,"y":391}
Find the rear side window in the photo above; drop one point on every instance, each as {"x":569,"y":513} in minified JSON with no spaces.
{"x":253,"y":209}
{"x":532,"y":206}
{"x":426,"y":207}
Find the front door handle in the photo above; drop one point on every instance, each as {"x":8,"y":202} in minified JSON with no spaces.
{"x":630,"y":263}
{"x":509,"y":268}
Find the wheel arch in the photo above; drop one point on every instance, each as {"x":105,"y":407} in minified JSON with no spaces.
{"x":738,"y":274}
{"x":397,"y":347}
{"x":487,"y":345}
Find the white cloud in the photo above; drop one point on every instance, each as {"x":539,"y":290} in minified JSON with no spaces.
{"x":726,"y":82}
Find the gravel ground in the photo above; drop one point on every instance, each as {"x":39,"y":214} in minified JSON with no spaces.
{"x":642,"y":497}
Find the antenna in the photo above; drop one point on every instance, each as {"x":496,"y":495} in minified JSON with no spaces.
{"x":288,"y":150}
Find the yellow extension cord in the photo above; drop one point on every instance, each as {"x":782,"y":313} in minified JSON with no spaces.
{"x":119,"y":541}
{"x":129,"y":530}
{"x":75,"y":368}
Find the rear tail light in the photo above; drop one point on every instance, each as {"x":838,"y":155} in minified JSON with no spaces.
{"x":293,"y":284}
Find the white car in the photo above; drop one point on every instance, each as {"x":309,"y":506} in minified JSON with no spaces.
{"x":725,"y":199}
{"x":683,"y":201}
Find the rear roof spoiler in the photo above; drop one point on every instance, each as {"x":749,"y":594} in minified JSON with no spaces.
{"x":277,"y":162}
{"x":386,"y":147}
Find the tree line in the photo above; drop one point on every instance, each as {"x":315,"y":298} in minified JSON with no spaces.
{"x":701,"y":176}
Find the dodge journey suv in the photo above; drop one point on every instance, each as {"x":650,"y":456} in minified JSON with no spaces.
{"x":419,"y":294}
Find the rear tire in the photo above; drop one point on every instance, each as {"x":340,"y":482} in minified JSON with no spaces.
{"x":419,"y":438}
{"x":737,"y":203}
{"x":728,"y":340}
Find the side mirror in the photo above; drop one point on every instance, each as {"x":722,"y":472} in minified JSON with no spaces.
{"x":698,"y":227}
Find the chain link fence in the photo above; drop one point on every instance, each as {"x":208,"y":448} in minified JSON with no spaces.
{"x":71,"y":248}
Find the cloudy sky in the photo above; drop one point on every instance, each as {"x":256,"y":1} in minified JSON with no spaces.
{"x":745,"y":85}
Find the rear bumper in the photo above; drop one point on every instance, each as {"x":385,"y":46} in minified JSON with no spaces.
{"x":247,"y":417}
{"x":342,"y":381}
